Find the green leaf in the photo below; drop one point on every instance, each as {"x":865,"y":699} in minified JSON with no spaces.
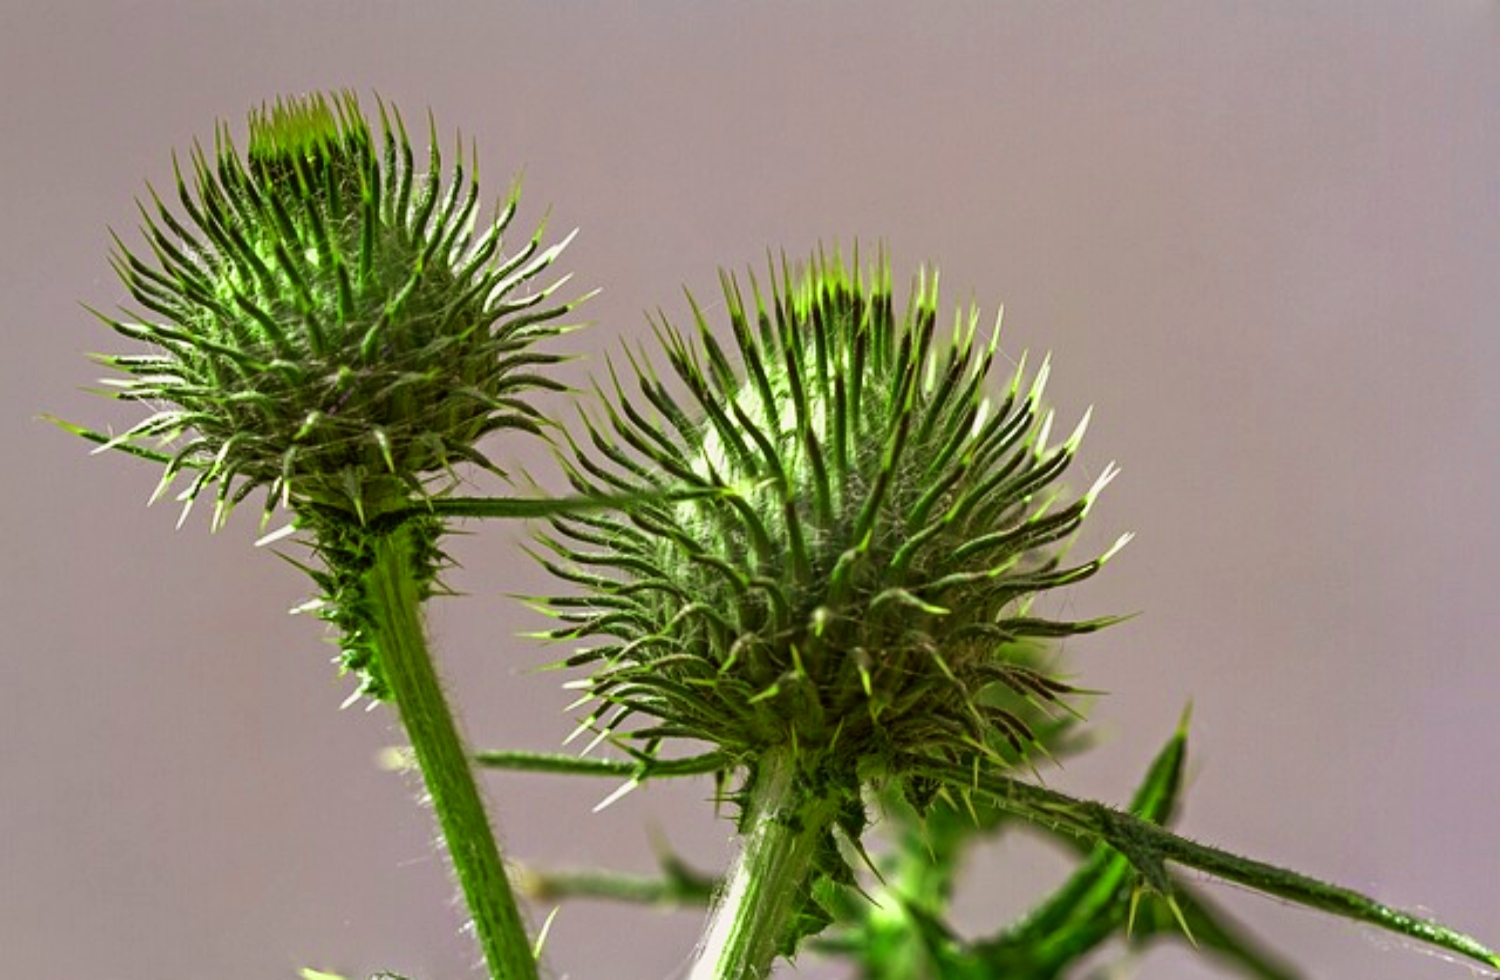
{"x":1213,"y":931}
{"x":1098,"y":900}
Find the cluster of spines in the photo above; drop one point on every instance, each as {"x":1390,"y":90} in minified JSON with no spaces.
{"x":345,"y":550}
{"x":327,"y":317}
{"x":866,"y":574}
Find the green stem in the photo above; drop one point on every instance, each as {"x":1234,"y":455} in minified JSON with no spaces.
{"x":680,"y":885}
{"x":783,"y":826}
{"x":407,"y":666}
{"x":1148,"y":848}
{"x":537,"y":507}
{"x":572,"y":765}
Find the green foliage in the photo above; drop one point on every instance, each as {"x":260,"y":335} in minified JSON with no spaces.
{"x":902,"y":935}
{"x":816,"y":550}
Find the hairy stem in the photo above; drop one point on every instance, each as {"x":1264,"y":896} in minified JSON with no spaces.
{"x":678,"y":886}
{"x":1148,"y":848}
{"x":783,"y":826}
{"x":401,"y":643}
{"x":572,"y":765}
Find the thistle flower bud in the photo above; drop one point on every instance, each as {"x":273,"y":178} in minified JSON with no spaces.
{"x":324,"y":319}
{"x":859,"y":593}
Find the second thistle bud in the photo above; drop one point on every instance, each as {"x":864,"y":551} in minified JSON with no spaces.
{"x":858,"y":592}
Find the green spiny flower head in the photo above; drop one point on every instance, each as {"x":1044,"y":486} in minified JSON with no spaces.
{"x":859,"y":587}
{"x":325,"y":320}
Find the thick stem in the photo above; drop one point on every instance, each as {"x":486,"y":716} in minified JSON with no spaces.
{"x":784,"y":825}
{"x":406,"y":664}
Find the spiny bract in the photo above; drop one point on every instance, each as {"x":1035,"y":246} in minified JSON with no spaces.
{"x":328,"y":323}
{"x":858,"y":590}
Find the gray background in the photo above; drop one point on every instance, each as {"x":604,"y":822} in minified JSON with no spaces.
{"x":1261,"y":239}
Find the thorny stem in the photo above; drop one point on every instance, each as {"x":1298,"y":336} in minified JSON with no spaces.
{"x":784,"y":824}
{"x":1148,"y":847}
{"x":462,"y":507}
{"x":572,"y":765}
{"x":402,"y":645}
{"x":678,"y":886}
{"x":535,"y":507}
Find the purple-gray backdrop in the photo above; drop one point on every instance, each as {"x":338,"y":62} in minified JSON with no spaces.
{"x":1262,"y":239}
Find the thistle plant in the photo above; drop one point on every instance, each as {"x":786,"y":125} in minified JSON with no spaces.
{"x":851,"y":623}
{"x":323,"y":323}
{"x":840,"y":622}
{"x":823,"y":547}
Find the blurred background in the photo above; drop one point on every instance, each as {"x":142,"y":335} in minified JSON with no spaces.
{"x":1261,"y":239}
